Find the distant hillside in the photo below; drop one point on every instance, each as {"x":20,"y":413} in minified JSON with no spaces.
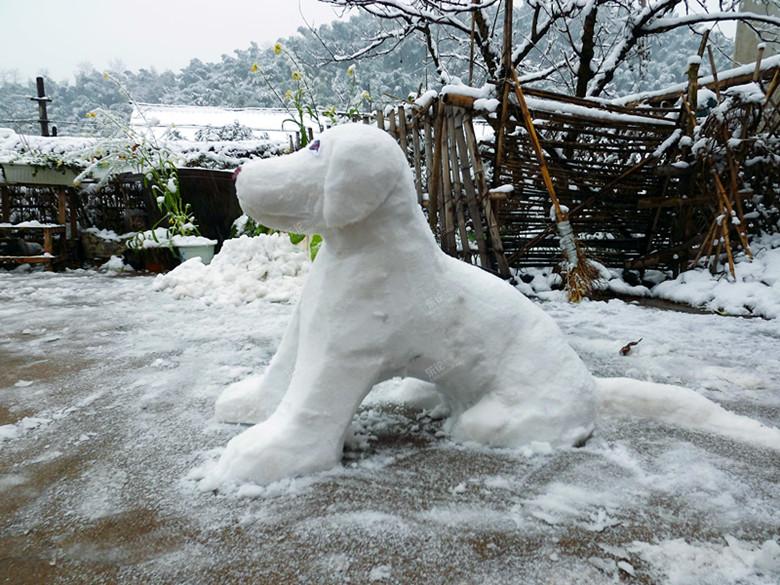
{"x":231,"y":82}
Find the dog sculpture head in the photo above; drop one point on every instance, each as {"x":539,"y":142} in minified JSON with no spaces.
{"x":339,"y":180}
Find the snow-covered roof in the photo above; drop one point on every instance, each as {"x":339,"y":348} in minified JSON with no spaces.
{"x":187,"y":120}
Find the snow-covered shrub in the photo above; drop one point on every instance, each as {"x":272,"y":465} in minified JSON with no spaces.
{"x":229,"y":132}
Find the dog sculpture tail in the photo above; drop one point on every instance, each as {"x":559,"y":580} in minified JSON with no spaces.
{"x":681,"y":407}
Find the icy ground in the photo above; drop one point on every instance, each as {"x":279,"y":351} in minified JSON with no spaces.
{"x":106,"y":396}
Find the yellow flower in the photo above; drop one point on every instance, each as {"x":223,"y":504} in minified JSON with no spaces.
{"x":254,"y":68}
{"x":288,"y":95}
{"x":365,"y":95}
{"x":90,"y":115}
{"x":351,"y":71}
{"x":277,"y":49}
{"x":297,"y":75}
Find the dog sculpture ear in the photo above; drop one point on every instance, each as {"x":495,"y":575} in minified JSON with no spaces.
{"x":363,"y":168}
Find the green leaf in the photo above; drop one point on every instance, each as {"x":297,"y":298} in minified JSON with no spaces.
{"x":314,"y":246}
{"x":296,"y":239}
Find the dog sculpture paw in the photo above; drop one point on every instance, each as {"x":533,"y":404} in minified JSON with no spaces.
{"x":271,"y":451}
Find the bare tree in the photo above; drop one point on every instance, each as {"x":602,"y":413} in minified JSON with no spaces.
{"x":598,"y":36}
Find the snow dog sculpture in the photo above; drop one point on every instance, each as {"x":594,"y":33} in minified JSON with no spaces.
{"x":382,"y":300}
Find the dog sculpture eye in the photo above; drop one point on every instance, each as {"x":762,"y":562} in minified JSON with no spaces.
{"x":315,"y":147}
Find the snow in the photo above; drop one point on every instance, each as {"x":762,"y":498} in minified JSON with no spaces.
{"x":156,"y":238}
{"x":121,"y":496}
{"x":486,"y":105}
{"x":426,"y":99}
{"x":246,"y":269}
{"x":678,"y":562}
{"x":592,"y":113}
{"x":185,"y":241}
{"x":748,"y":92}
{"x":115,"y":265}
{"x":161,"y":238}
{"x":755,"y":291}
{"x":30,"y":224}
{"x":109,"y":235}
{"x":486,"y":91}
{"x":508,"y":188}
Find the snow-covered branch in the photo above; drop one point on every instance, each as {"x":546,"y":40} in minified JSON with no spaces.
{"x":660,"y":25}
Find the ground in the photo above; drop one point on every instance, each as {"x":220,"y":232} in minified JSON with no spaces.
{"x":106,"y":399}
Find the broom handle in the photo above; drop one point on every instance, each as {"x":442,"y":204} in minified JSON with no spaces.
{"x":529,"y":126}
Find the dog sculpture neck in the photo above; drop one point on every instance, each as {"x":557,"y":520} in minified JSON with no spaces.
{"x":397,"y":220}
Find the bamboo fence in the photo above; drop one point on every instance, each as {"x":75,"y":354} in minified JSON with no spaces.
{"x":636,"y":195}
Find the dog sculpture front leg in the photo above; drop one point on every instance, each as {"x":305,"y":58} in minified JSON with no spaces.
{"x":253,"y":399}
{"x":305,"y":434}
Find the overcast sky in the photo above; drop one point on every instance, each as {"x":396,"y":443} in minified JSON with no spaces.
{"x":55,"y":36}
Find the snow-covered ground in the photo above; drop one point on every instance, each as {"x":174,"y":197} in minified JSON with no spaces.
{"x":107,"y":389}
{"x":753,"y":291}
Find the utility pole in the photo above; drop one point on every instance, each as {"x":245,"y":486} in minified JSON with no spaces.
{"x":43,"y":118}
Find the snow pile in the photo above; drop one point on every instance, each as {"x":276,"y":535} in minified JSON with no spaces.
{"x":681,"y":563}
{"x":115,"y":265}
{"x":265,"y":267}
{"x":756,"y":290}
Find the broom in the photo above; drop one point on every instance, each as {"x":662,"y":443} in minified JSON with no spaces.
{"x":579,"y":272}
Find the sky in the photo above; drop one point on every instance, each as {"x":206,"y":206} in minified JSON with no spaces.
{"x":55,"y":37}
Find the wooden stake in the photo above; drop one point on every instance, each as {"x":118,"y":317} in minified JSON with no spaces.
{"x":446,"y":200}
{"x":537,"y":146}
{"x":402,"y":130}
{"x":714,"y":72}
{"x":506,"y":59}
{"x":435,"y":170}
{"x":759,"y":58}
{"x":418,"y":182}
{"x":6,"y":204}
{"x":726,"y":206}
